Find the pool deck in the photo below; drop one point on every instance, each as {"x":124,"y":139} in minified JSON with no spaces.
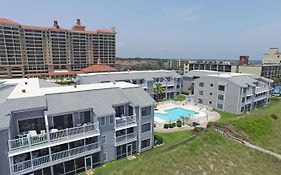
{"x":205,"y":115}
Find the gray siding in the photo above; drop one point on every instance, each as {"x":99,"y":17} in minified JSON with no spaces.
{"x":4,"y":161}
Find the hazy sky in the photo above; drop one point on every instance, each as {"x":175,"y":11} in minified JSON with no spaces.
{"x":209,"y":29}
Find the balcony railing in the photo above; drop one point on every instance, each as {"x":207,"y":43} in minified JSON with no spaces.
{"x":69,"y":132}
{"x":40,"y":161}
{"x":60,"y":134}
{"x":126,"y":138}
{"x":124,"y":120}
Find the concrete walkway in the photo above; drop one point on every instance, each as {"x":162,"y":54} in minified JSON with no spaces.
{"x":278,"y":156}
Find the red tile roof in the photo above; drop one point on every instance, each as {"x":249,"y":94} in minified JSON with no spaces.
{"x":7,"y":21}
{"x":99,"y":68}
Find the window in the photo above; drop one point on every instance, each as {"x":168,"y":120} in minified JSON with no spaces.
{"x":200,"y":100}
{"x":102,"y":121}
{"x":242,"y":109}
{"x":103,"y":139}
{"x":220,"y":97}
{"x":201,"y":92}
{"x":243,"y":99}
{"x":85,"y":117}
{"x":145,"y":127}
{"x":212,"y":85}
{"x":201,"y":84}
{"x":210,"y":102}
{"x":211,"y":93}
{"x":104,"y":157}
{"x":221,"y":88}
{"x":110,"y":119}
{"x":145,"y":143}
{"x":146,"y":111}
{"x":220,"y":106}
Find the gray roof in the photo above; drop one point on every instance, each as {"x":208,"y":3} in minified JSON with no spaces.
{"x":138,"y":96}
{"x":44,"y":83}
{"x":243,"y":80}
{"x":201,"y":73}
{"x":121,"y":76}
{"x":19,"y":104}
{"x":100,"y":100}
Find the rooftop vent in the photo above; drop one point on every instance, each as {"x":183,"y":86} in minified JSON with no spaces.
{"x":56,"y":24}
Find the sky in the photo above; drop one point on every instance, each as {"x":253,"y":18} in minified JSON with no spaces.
{"x":198,"y":29}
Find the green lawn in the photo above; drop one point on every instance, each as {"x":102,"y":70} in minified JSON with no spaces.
{"x":209,"y":153}
{"x":169,"y":139}
{"x":180,"y":98}
{"x":259,"y":126}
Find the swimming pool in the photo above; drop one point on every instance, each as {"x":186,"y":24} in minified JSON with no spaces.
{"x":174,"y":114}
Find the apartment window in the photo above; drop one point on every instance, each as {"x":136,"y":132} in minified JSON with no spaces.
{"x":145,"y":143}
{"x":200,"y":100}
{"x":102,"y":121}
{"x":201,"y":92}
{"x":146,"y":111}
{"x":211,"y":93}
{"x":110,"y":119}
{"x":243,"y":99}
{"x":221,"y":88}
{"x":145,"y":127}
{"x":220,"y":97}
{"x":201,"y":84}
{"x":242,"y":109}
{"x":212,"y":85}
{"x":104,"y":157}
{"x":220,"y":106}
{"x":103,"y":139}
{"x":210,"y":102}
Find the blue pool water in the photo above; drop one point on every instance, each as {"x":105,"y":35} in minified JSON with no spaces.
{"x":174,"y":114}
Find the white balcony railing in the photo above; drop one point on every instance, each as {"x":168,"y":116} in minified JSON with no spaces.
{"x":126,"y":138}
{"x":39,"y":161}
{"x":60,"y":134}
{"x":124,"y":120}
{"x":27,"y":141}
{"x":68,"y":132}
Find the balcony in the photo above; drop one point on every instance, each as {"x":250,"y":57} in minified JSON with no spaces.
{"x":119,"y":140}
{"x":32,"y":164}
{"x":125,"y":121}
{"x":67,"y":133}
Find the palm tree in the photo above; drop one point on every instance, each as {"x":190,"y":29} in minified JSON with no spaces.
{"x":158,"y":89}
{"x":183,"y":119}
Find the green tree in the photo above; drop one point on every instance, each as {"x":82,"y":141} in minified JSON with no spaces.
{"x":183,"y":119}
{"x":158,"y":89}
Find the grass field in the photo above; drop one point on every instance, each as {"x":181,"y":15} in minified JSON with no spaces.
{"x":210,"y":152}
{"x":259,"y":126}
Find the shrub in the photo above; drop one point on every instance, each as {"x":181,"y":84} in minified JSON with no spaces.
{"x":274,"y":116}
{"x":171,"y":125}
{"x":179,"y":123}
{"x":198,"y":129}
{"x":166,"y":126}
{"x":159,"y":140}
{"x":210,"y":124}
{"x":174,"y":124}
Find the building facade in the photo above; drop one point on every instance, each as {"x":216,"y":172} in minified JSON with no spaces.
{"x":272,"y":57}
{"x":222,"y":66}
{"x":170,"y":81}
{"x":50,"y":130}
{"x":34,"y":50}
{"x":231,"y":92}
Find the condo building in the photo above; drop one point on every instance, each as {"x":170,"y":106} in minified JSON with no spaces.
{"x":231,"y":92}
{"x":26,"y":50}
{"x":222,"y":66}
{"x":170,"y":81}
{"x":46,"y":129}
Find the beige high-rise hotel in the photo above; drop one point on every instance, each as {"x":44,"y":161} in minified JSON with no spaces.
{"x":29,"y":50}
